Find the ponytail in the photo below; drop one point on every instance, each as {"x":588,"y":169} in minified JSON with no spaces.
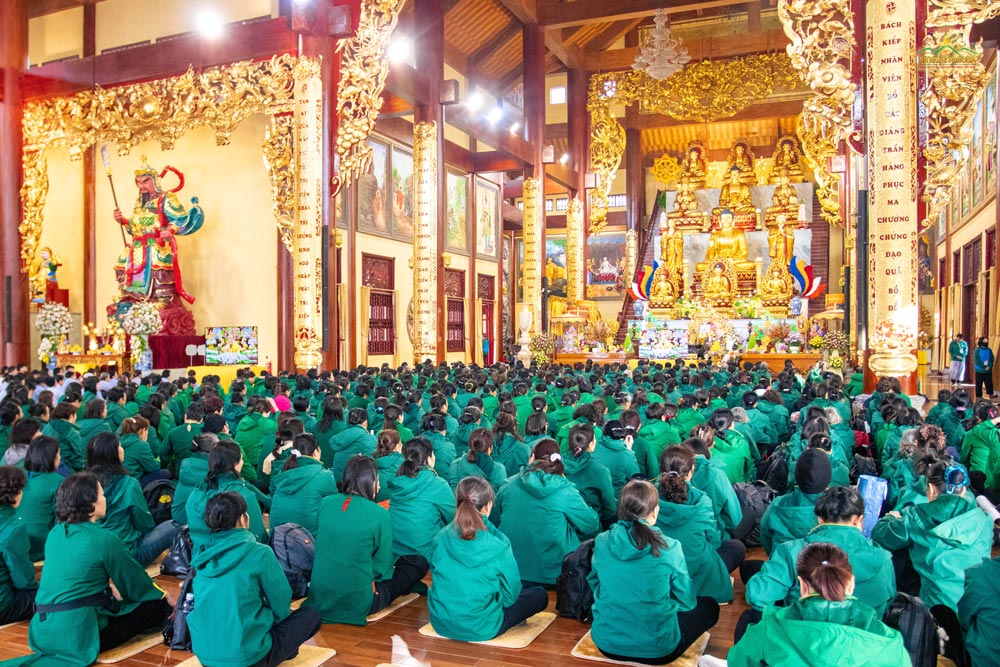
{"x":473,"y":494}
{"x":637,"y":502}
{"x":825,"y":569}
{"x":580,"y":438}
{"x":506,"y":424}
{"x":676,"y":464}
{"x":547,"y":457}
{"x":386,"y":443}
{"x":222,"y":460}
{"x":416,"y":454}
{"x":391,"y":414}
{"x":304,"y":444}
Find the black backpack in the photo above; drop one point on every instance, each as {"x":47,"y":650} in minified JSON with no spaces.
{"x":295,"y":548}
{"x":754,"y":500}
{"x":176,"y":634}
{"x":863,"y":465}
{"x":159,"y":496}
{"x":574,"y":597}
{"x":774,"y":471}
{"x":909,"y":615}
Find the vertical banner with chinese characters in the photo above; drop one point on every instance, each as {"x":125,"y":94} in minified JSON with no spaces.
{"x":307,"y":251}
{"x":891,"y":71}
{"x":425,"y":230}
{"x":574,"y":250}
{"x":534,"y":210}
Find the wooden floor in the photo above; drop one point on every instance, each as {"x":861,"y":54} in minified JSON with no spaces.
{"x":395,"y":639}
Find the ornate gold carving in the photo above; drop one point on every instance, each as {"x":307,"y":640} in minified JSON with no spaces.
{"x":631,"y":255}
{"x":279,"y":158}
{"x":533,"y":220}
{"x":945,"y":13}
{"x":666,"y":170}
{"x":822,"y":37}
{"x":955,"y":80}
{"x":704,"y":91}
{"x":425,"y":278}
{"x":363,"y":71}
{"x":163,"y":110}
{"x":574,"y":250}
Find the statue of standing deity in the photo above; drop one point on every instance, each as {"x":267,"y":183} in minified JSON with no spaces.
{"x":148,"y":270}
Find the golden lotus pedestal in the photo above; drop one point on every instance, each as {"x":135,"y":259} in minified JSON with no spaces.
{"x":892,"y":363}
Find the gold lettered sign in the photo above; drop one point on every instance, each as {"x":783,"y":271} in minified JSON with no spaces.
{"x":574,"y":250}
{"x":425,"y":178}
{"x":891,"y":71}
{"x":533,"y":220}
{"x":307,"y":257}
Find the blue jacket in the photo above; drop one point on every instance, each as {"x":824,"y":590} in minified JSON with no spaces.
{"x":983,"y":359}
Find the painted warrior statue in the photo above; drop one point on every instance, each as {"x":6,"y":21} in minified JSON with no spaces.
{"x":148,"y":270}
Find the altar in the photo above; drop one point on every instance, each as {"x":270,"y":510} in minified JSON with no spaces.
{"x":120,"y":363}
{"x":803,"y":361}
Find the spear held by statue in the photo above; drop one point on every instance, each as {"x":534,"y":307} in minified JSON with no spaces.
{"x":114,"y":196}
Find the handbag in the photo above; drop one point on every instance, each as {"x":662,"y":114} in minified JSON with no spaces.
{"x":176,"y":634}
{"x":177,"y":562}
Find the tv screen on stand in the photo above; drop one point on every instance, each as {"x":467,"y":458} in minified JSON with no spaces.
{"x":231,"y":346}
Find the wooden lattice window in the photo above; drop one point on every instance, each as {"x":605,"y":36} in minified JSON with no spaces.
{"x":972,"y":262}
{"x":378,"y":273}
{"x":456,"y":325}
{"x":486,"y":287}
{"x":956,"y":267}
{"x":942,"y":273}
{"x":454,"y":283}
{"x":991,"y":248}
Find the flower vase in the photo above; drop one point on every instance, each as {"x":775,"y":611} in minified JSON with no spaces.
{"x":144,"y":362}
{"x":795,"y":349}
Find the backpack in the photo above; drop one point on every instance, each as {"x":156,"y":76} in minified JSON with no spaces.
{"x":159,"y":496}
{"x":863,"y":465}
{"x":176,"y":634}
{"x":295,"y":549}
{"x":774,"y":471}
{"x":574,"y":597}
{"x":909,"y":615}
{"x":754,"y":500}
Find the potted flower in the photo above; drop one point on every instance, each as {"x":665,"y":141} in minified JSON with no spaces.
{"x":53,"y":323}
{"x":794,"y":341}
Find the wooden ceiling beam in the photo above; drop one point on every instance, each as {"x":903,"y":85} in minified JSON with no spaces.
{"x":525,"y":11}
{"x":782,"y":109}
{"x":475,"y":125}
{"x":38,"y":8}
{"x":560,"y":13}
{"x":568,"y":55}
{"x":698,"y":49}
{"x":611,"y":34}
{"x":494,"y":43}
{"x":495,"y":161}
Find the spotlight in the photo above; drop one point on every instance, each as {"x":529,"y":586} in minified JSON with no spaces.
{"x":564,"y":159}
{"x":495,"y":115}
{"x":210,"y":23}
{"x":400,"y":49}
{"x":514,"y":128}
{"x":475,"y":101}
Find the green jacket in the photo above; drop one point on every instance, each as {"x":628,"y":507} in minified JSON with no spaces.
{"x":387,"y":466}
{"x":814,"y":632}
{"x":512,"y":453}
{"x":351,"y":441}
{"x":761,"y":427}
{"x":789,"y":517}
{"x":777,"y":582}
{"x":710,"y":478}
{"x":17,"y":569}
{"x":444,"y":452}
{"x":637,"y":595}
{"x":945,"y":538}
{"x":485,"y":467}
{"x":37,"y":510}
{"x":979,"y":613}
{"x":419,"y":507}
{"x":619,"y":460}
{"x":949,"y":421}
{"x":593,"y":480}
{"x":658,"y":435}
{"x":687,"y":419}
{"x":473,"y":581}
{"x":981,"y":451}
{"x":117,"y":413}
{"x":238,"y":580}
{"x":196,"y":502}
{"x":544,"y":517}
{"x":192,"y":473}
{"x":177,"y":446}
{"x":693,"y":525}
{"x":779,"y":419}
{"x":734,"y":451}
{"x":89,"y":428}
{"x":80,"y":558}
{"x":958,"y":350}
{"x":72,"y":449}
{"x":127,"y":514}
{"x":353,"y":551}
{"x":138,"y":457}
{"x":299,"y":491}
{"x":255,"y":435}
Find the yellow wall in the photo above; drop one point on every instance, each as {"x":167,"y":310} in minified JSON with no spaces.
{"x":55,"y":36}
{"x":62,"y":229}
{"x":401,"y":252}
{"x":230,"y":265}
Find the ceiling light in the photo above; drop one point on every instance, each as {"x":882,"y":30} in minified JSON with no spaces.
{"x":565,"y":158}
{"x":495,"y":115}
{"x":514,"y":128}
{"x":661,"y":55}
{"x":210,"y":23}
{"x":475,"y":101}
{"x":400,"y":49}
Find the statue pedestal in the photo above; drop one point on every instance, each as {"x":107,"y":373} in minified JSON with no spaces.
{"x":177,"y":320}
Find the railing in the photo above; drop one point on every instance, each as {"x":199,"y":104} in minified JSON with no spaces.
{"x":640,"y":261}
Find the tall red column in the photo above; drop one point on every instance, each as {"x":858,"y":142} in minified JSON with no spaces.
{"x":14,"y":334}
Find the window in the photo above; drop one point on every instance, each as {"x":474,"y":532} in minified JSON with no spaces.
{"x":956,"y":267}
{"x":557,"y":95}
{"x":991,"y":248}
{"x":942,"y":273}
{"x":454,"y":289}
{"x":378,"y":274}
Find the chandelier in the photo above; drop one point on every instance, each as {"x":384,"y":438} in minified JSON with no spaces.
{"x":661,"y":55}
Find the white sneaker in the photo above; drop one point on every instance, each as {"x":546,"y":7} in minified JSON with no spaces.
{"x":711,"y":661}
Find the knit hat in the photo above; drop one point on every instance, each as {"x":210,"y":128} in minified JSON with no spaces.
{"x":812,"y":471}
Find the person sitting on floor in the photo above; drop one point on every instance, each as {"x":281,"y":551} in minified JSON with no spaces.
{"x":302,"y":485}
{"x":420,"y":502}
{"x":17,"y":571}
{"x":645,"y":609}
{"x":791,"y":516}
{"x":477,"y":593}
{"x":38,"y":506}
{"x":239,"y":580}
{"x":478,"y":461}
{"x":225,"y":462}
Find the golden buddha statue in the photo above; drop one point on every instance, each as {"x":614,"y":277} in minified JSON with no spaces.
{"x":735,"y":197}
{"x":686,"y":213}
{"x":781,"y":242}
{"x":784,"y":201}
{"x":662,"y":292}
{"x":777,"y":286}
{"x":741,"y":157}
{"x":672,"y":249}
{"x":716,"y":285}
{"x":693,"y":167}
{"x":727,"y":242}
{"x":786,"y":156}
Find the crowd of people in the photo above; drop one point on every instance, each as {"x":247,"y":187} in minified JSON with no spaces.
{"x":487,"y":479}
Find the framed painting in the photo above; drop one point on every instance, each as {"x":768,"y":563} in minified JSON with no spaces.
{"x":976,"y":156}
{"x":402,"y":193}
{"x":606,"y":265}
{"x":457,"y":228}
{"x":373,"y":191}
{"x":555,"y":264}
{"x":990,"y":135}
{"x":487,"y":198}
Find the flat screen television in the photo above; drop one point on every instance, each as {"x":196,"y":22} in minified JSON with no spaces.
{"x":231,"y":346}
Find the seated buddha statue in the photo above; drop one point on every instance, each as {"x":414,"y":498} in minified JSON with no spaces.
{"x":686,"y":213}
{"x":786,"y":156}
{"x":662,"y":292}
{"x":716,"y":285}
{"x":777,"y":285}
{"x":735,"y":196}
{"x":727,"y":242}
{"x":784,"y":201}
{"x":693,"y":167}
{"x":741,"y":157}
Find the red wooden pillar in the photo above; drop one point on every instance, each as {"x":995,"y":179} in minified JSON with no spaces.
{"x":635,"y":184}
{"x":14,"y":327}
{"x":90,"y":187}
